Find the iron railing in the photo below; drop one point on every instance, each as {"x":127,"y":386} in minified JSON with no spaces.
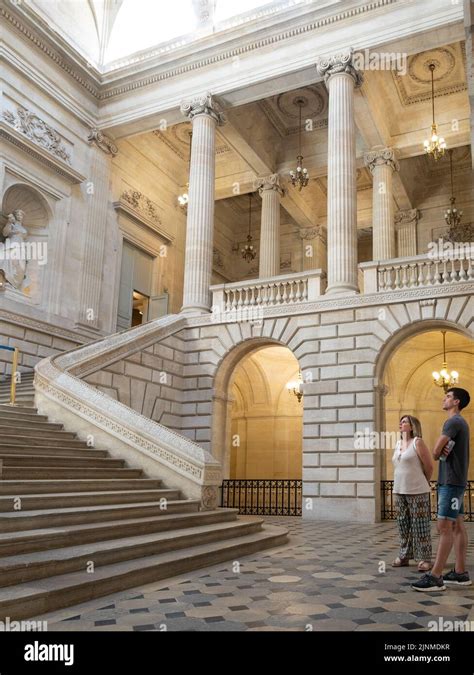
{"x":389,"y":509}
{"x":263,"y":497}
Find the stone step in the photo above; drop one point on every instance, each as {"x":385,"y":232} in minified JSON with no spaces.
{"x":25,"y":487}
{"x":69,"y":499}
{"x":19,"y":439}
{"x":35,"y":432}
{"x":60,"y":452}
{"x":27,"y":541}
{"x":44,"y":595}
{"x":40,"y":472}
{"x":38,"y":565}
{"x":46,"y":460}
{"x":20,"y":422}
{"x":14,"y":521}
{"x":19,"y":410}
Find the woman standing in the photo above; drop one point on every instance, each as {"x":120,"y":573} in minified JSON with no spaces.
{"x":413,"y":467}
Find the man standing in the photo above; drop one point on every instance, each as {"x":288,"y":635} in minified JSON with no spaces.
{"x":452,"y":481}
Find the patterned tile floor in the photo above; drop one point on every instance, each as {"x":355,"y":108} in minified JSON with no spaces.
{"x":329,"y":577}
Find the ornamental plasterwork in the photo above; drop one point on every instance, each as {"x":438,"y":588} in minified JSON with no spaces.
{"x":36,"y":129}
{"x":407,"y":217}
{"x":142,"y":204}
{"x":310,"y":233}
{"x":449,"y":76}
{"x":283,"y":113}
{"x":102,"y":141}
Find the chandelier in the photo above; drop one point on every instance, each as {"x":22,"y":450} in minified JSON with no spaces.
{"x":248,"y":251}
{"x":436,"y":145}
{"x":444,"y":378}
{"x":299,"y":177}
{"x":296,"y":387}
{"x":183,"y":198}
{"x":452,"y":215}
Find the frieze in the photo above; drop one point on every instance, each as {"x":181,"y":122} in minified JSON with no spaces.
{"x":36,"y":129}
{"x":142,"y":204}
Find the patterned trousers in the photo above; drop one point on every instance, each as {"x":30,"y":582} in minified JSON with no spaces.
{"x":414,"y":526}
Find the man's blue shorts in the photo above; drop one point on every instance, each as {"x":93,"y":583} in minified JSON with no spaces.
{"x":450,"y":501}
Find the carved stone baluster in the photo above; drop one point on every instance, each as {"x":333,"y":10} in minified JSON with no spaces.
{"x":470,"y":269}
{"x":291,"y":297}
{"x":437,"y":274}
{"x":299,"y":290}
{"x":420,"y":280}
{"x":462,"y":269}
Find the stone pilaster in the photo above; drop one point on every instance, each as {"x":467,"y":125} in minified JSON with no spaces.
{"x":382,"y":163}
{"x":200,"y":220}
{"x":270,"y":191}
{"x":314,"y":243}
{"x":101,"y":151}
{"x":406,"y":223}
{"x":341,"y":78}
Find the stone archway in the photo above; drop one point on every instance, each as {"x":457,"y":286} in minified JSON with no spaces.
{"x":222,"y":399}
{"x":404,"y":383}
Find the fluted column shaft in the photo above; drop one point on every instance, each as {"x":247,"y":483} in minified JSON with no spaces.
{"x":406,"y":222}
{"x":341,"y":79}
{"x":270,"y":226}
{"x":382,"y":163}
{"x":200,"y":218}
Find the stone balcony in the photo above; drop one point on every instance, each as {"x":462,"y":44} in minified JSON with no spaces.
{"x":398,"y":274}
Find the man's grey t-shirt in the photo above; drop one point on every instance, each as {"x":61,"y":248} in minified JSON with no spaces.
{"x":454,"y":470}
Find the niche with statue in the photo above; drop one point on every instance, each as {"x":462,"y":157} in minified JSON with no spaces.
{"x":23,"y":243}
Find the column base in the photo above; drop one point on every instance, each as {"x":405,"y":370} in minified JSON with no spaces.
{"x":342,"y":289}
{"x":195,"y":309}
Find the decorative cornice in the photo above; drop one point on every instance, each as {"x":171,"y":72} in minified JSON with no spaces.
{"x":202,"y":105}
{"x":48,"y":51}
{"x":339,"y":63}
{"x":101,"y":93}
{"x":379,"y":157}
{"x":40,"y":153}
{"x":270,"y":182}
{"x":102,"y":141}
{"x":406,"y":217}
{"x":143,"y":210}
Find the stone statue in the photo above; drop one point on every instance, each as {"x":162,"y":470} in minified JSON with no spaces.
{"x":14,"y":263}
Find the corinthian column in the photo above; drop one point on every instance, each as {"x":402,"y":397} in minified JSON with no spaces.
{"x":341,"y":78}
{"x":382,"y":163}
{"x":270,"y":191}
{"x":406,"y":222}
{"x":200,"y":221}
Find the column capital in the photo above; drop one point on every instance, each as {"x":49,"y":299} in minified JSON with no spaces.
{"x":270,"y":182}
{"x":202,"y":105}
{"x":342,"y":62}
{"x":406,"y":217}
{"x":102,"y":141}
{"x":381,"y":156}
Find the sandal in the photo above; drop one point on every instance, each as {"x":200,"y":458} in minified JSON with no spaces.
{"x":401,"y":562}
{"x":424,"y":566}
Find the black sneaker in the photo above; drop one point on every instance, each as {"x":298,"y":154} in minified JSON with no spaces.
{"x":457,"y":578}
{"x":429,"y":583}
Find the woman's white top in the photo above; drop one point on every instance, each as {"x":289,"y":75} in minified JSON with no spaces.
{"x":409,"y":478}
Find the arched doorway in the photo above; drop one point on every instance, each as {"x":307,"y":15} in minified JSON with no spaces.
{"x":407,"y":387}
{"x":258,"y":429}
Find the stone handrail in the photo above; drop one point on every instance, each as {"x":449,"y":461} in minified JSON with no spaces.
{"x":63,"y":396}
{"x":416,"y":272}
{"x":279,"y":290}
